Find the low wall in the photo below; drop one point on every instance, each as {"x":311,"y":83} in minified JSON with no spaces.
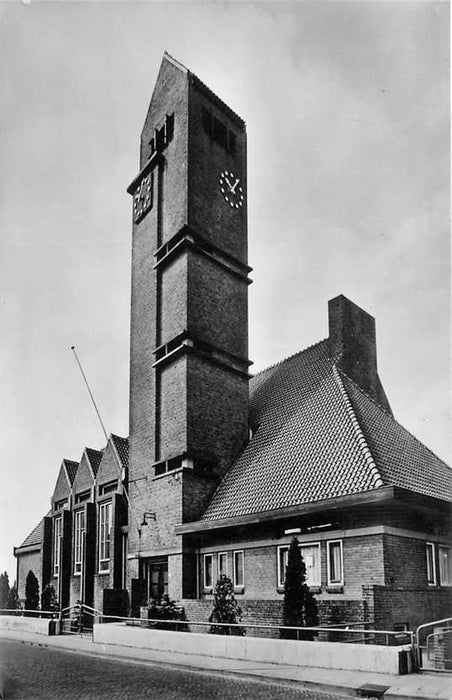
{"x":334,"y":655}
{"x":29,"y":624}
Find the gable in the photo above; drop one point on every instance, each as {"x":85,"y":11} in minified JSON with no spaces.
{"x":110,"y":467}
{"x":83,"y":478}
{"x":62,"y":488}
{"x":171,"y":86}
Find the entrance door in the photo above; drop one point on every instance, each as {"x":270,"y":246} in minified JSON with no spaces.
{"x":157,"y":578}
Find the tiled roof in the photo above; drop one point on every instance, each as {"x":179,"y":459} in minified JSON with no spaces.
{"x":309,"y":444}
{"x":402,"y":460}
{"x":71,"y":469}
{"x":36,"y":535}
{"x":94,"y":457}
{"x":122,"y":446}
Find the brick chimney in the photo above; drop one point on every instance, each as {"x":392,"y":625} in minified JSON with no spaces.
{"x":352,"y":341}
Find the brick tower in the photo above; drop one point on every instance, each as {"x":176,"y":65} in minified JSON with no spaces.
{"x":189,"y":323}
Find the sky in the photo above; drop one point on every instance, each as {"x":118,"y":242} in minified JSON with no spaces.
{"x":347,"y":112}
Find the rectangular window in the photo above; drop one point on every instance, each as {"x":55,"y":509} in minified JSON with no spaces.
{"x":232,"y":143}
{"x":60,"y":504}
{"x":105,"y":513}
{"x":222,"y":563}
{"x":208,"y":573}
{"x":239,"y":570}
{"x":334,"y":563}
{"x":79,"y":532}
{"x":207,"y":120}
{"x":311,"y":558}
{"x":220,"y":133}
{"x":431,"y":568}
{"x":83,"y":496}
{"x":57,"y":533}
{"x":283,"y":553}
{"x":108,"y":487}
{"x":445,"y":566}
{"x":169,"y":128}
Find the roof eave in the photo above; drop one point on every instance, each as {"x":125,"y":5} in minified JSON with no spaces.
{"x":384,"y":493}
{"x":27,"y":548}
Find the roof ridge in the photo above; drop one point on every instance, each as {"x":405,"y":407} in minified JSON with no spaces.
{"x":285,"y":359}
{"x":93,"y":449}
{"x":114,"y":436}
{"x":362,"y":443}
{"x":382,"y":408}
{"x":389,"y":415}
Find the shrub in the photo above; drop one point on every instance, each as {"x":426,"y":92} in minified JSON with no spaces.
{"x":4,"y":590}
{"x":300,"y":606}
{"x":165,"y":609}
{"x":31,"y":592}
{"x":226,"y":609}
{"x":48,"y":599}
{"x":13,"y":602}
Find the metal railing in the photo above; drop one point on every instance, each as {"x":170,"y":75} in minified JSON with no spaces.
{"x":349,"y":634}
{"x":22,"y":612}
{"x":78,"y":619}
{"x":433,"y":646}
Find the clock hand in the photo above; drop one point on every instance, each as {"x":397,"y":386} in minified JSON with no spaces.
{"x":228,"y":183}
{"x":235,"y":185}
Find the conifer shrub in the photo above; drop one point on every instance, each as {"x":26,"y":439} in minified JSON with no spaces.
{"x":226,"y":609}
{"x":4,"y":590}
{"x":31,"y":592}
{"x":13,"y":602}
{"x":300,"y":606}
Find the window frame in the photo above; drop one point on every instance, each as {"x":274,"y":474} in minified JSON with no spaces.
{"x":431,"y":563}
{"x":237,"y":585}
{"x":283,"y":548}
{"x":56,"y":548}
{"x":226,"y":568}
{"x":445,"y":548}
{"x":335,"y":582}
{"x":207,"y":586}
{"x":318,"y":582}
{"x":301,"y":545}
{"x":79,"y":530}
{"x":106,"y":506}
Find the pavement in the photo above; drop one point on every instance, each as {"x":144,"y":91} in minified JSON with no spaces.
{"x":415,"y":686}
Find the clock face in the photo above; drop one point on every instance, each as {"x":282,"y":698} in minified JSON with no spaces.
{"x":231,"y":189}
{"x":142,"y":199}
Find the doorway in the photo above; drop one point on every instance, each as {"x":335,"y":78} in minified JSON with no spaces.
{"x":156,"y":576}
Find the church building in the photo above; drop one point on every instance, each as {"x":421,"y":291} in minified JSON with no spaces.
{"x":221,"y":468}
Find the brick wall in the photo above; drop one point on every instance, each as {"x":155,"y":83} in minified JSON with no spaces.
{"x":207,"y":211}
{"x":405,"y":561}
{"x":218,"y":305}
{"x":410,"y":606}
{"x":173,"y":304}
{"x":217,"y":412}
{"x":83,"y":478}
{"x":173,"y":409}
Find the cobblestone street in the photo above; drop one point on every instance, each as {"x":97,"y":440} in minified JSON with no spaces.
{"x":30,"y":671}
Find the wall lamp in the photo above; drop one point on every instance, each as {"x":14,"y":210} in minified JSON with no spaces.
{"x":149,"y":515}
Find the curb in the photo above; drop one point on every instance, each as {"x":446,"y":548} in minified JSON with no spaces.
{"x":345,"y":691}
